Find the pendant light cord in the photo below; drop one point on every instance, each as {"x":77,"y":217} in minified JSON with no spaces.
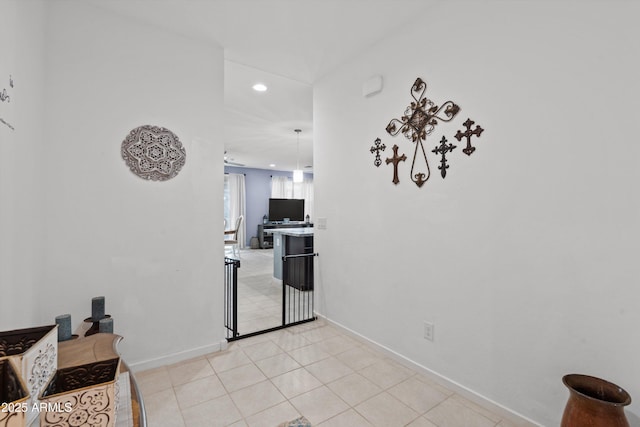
{"x":297,"y":131}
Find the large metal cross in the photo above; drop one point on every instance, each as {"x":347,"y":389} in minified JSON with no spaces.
{"x":395,"y":160}
{"x":468,"y":134}
{"x":418,"y":121}
{"x":443,"y":149}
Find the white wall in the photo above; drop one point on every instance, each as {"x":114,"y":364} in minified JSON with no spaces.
{"x":21,"y":177}
{"x":151,"y":248}
{"x":525,"y":256}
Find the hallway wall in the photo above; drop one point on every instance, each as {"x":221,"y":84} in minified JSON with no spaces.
{"x":22,"y":47}
{"x":524,"y":257}
{"x":149,"y":247}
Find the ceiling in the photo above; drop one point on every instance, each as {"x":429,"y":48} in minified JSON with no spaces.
{"x":285,"y":44}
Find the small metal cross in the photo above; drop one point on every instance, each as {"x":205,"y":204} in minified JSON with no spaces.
{"x":395,"y":160}
{"x":443,"y":149}
{"x":377,"y":148}
{"x":468,"y":134}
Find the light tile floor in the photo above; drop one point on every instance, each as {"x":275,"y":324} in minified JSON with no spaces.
{"x":314,"y":370}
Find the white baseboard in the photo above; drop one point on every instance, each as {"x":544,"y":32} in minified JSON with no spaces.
{"x":177,"y":357}
{"x":502,"y":411}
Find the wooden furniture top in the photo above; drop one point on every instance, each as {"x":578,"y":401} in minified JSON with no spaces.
{"x":91,"y":349}
{"x":95,"y":348}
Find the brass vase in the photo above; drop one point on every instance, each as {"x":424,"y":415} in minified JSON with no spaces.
{"x":594,"y":402}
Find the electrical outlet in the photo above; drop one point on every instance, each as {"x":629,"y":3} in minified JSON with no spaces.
{"x":428,"y":331}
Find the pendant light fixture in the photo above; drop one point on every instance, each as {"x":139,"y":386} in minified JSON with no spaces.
{"x":297,"y":174}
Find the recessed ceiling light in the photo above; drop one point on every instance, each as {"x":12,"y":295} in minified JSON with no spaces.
{"x":259,"y":87}
{"x":272,"y":165}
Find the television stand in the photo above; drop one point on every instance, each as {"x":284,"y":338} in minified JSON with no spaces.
{"x":265,"y":236}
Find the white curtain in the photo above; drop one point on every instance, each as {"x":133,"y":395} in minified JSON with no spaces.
{"x":237,"y":203}
{"x":283,"y":187}
{"x":304,"y":190}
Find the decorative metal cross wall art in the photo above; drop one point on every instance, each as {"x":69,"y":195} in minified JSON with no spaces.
{"x":443,"y":149}
{"x":377,"y":148}
{"x":395,"y":160}
{"x":419,"y":121}
{"x":468,"y":134}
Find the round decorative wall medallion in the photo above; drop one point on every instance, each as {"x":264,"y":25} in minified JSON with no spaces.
{"x":153,"y":152}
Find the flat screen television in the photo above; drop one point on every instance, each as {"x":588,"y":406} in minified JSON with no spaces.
{"x":279,"y":209}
